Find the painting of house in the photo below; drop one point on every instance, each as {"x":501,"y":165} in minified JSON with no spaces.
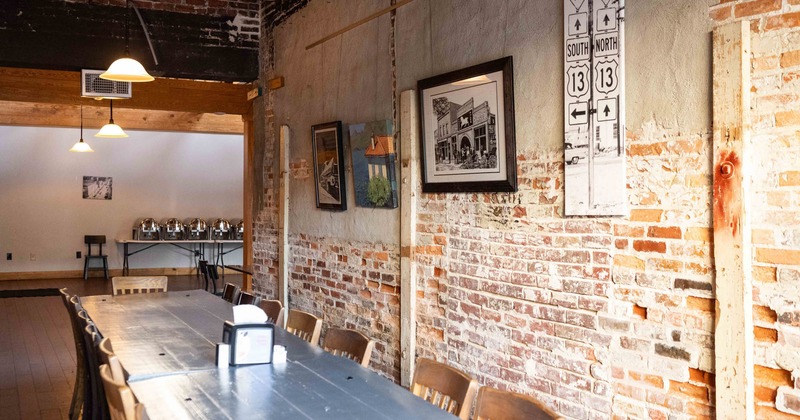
{"x":374,"y":156}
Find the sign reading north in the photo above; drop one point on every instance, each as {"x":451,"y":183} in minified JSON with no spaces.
{"x":606,"y":44}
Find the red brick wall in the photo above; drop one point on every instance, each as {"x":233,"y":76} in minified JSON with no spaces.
{"x":603,"y":317}
{"x":351,"y":285}
{"x":775,"y":32}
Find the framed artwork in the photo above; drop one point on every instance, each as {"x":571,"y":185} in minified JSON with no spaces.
{"x":374,"y":154}
{"x":97,"y":187}
{"x":326,"y":141}
{"x":467,"y":129}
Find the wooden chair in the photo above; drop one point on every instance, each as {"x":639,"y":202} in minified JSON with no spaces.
{"x":247,"y":298}
{"x":105,"y":352}
{"x":493,"y":404}
{"x":229,"y":292}
{"x":98,"y":240}
{"x":444,"y":386}
{"x":350,"y":344}
{"x":274,"y":311}
{"x":133,"y":285}
{"x":80,"y":355}
{"x":122,"y":404}
{"x":304,"y":325}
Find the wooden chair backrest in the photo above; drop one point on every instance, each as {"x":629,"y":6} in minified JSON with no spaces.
{"x":94,"y":405}
{"x":132,"y":285}
{"x":350,"y":344}
{"x":71,"y":302}
{"x":274,"y":311}
{"x":444,"y":386}
{"x":247,"y":298}
{"x":304,"y":325}
{"x":229,"y":292}
{"x":107,"y":357}
{"x":121,"y":402}
{"x":494,"y":404}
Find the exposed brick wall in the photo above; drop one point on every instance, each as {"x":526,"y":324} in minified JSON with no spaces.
{"x":603,"y":317}
{"x":775,"y":38}
{"x":351,"y":285}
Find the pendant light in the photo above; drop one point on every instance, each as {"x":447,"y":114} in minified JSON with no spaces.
{"x":81,"y":146}
{"x":111,"y":130}
{"x":126,"y":69}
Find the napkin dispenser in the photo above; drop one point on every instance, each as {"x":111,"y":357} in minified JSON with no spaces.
{"x":249,"y":343}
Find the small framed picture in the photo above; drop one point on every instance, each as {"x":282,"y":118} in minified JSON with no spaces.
{"x":326,"y":141}
{"x":97,"y":187}
{"x":467,"y":129}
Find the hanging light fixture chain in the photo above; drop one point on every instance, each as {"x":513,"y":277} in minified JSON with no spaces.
{"x":127,"y":32}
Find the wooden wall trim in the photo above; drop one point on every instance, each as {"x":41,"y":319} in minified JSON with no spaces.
{"x":733,"y":335}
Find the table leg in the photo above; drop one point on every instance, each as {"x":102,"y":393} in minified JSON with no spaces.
{"x":125,"y":259}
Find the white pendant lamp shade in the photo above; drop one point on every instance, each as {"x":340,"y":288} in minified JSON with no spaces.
{"x":127,"y":70}
{"x":111,"y":131}
{"x":81,"y":146}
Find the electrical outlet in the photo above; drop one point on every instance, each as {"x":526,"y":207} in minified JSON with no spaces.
{"x":33,"y":257}
{"x":8,"y":256}
{"x":77,"y":254}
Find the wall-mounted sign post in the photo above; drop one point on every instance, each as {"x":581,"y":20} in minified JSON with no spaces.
{"x":594,"y":108}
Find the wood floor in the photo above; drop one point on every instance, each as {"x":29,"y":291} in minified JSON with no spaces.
{"x":37,"y":353}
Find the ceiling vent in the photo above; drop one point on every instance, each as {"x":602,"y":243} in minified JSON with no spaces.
{"x":92,"y":86}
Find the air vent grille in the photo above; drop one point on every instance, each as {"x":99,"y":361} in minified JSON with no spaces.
{"x":92,"y":86}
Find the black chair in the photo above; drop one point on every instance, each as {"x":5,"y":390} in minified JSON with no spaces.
{"x":210,"y":274}
{"x":80,"y":356}
{"x":99,"y":240}
{"x":95,"y":406}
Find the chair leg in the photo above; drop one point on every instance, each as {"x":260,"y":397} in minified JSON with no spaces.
{"x":86,"y":268}
{"x":105,"y":267}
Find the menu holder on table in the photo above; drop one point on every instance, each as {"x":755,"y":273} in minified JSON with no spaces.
{"x":249,"y":337}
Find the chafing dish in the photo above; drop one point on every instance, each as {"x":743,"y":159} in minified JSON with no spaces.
{"x":172,"y":229}
{"x":238,"y":232}
{"x":220,"y":229}
{"x":196,"y":229}
{"x":148,"y":230}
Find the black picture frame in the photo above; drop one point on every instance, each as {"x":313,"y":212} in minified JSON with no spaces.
{"x":329,"y":180}
{"x":467,"y":131}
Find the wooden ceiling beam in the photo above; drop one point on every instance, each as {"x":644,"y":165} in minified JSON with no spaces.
{"x":95,"y":115}
{"x":180,"y":95}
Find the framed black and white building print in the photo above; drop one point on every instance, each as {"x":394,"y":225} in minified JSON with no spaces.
{"x":97,"y":187}
{"x":326,"y":141}
{"x":467,"y":129}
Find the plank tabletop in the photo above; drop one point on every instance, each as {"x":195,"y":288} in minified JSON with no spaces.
{"x":166,"y":342}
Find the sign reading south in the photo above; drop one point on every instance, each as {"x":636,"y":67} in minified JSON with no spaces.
{"x":606,"y":44}
{"x":578,"y":49}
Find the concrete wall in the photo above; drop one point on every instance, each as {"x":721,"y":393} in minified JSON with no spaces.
{"x":158,"y":175}
{"x":596,"y":317}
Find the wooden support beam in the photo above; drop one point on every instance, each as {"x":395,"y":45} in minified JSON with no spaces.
{"x":732,"y":243}
{"x":283,"y":215}
{"x":96,"y":114}
{"x":409,"y":188}
{"x":64,"y":87}
{"x":247,"y":199}
{"x":358,"y":23}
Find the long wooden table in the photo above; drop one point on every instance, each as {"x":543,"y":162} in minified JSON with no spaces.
{"x":166,"y":342}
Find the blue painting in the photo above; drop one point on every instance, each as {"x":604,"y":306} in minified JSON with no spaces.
{"x":374,"y":164}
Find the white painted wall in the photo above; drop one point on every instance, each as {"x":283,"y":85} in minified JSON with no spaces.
{"x":158,"y":175}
